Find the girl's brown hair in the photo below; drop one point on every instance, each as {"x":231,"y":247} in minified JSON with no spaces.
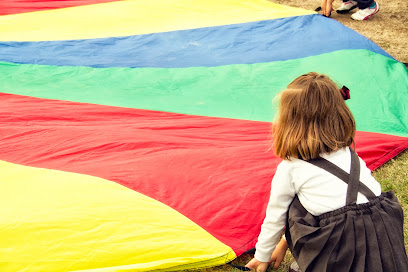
{"x":312,"y":119}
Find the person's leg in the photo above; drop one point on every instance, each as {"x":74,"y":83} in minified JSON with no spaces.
{"x":363,"y":4}
{"x":367,"y":8}
{"x":347,"y":6}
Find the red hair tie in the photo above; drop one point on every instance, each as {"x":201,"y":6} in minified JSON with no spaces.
{"x":345,"y":92}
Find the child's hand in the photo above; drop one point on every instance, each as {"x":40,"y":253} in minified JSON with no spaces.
{"x":277,"y":257}
{"x":257,"y":266}
{"x":279,"y":253}
{"x":327,"y":7}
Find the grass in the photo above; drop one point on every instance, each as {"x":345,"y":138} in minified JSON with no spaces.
{"x":392,"y":176}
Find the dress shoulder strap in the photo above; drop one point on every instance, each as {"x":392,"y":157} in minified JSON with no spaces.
{"x":352,"y":179}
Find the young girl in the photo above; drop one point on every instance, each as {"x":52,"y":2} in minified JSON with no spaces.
{"x":330,"y":225}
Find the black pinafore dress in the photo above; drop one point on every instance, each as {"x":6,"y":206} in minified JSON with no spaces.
{"x":358,"y":237}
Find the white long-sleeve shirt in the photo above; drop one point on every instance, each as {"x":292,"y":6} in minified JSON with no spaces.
{"x":318,"y":191}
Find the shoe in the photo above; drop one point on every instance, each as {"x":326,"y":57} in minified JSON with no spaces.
{"x":346,"y":7}
{"x":294,"y":267}
{"x":364,"y":14}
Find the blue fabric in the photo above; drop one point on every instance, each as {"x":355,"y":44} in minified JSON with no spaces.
{"x":254,"y":42}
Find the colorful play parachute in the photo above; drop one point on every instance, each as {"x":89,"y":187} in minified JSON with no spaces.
{"x":135,"y":135}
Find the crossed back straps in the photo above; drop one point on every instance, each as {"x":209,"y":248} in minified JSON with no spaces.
{"x":352,"y":179}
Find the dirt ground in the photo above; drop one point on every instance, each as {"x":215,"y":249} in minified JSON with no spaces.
{"x":388,"y":28}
